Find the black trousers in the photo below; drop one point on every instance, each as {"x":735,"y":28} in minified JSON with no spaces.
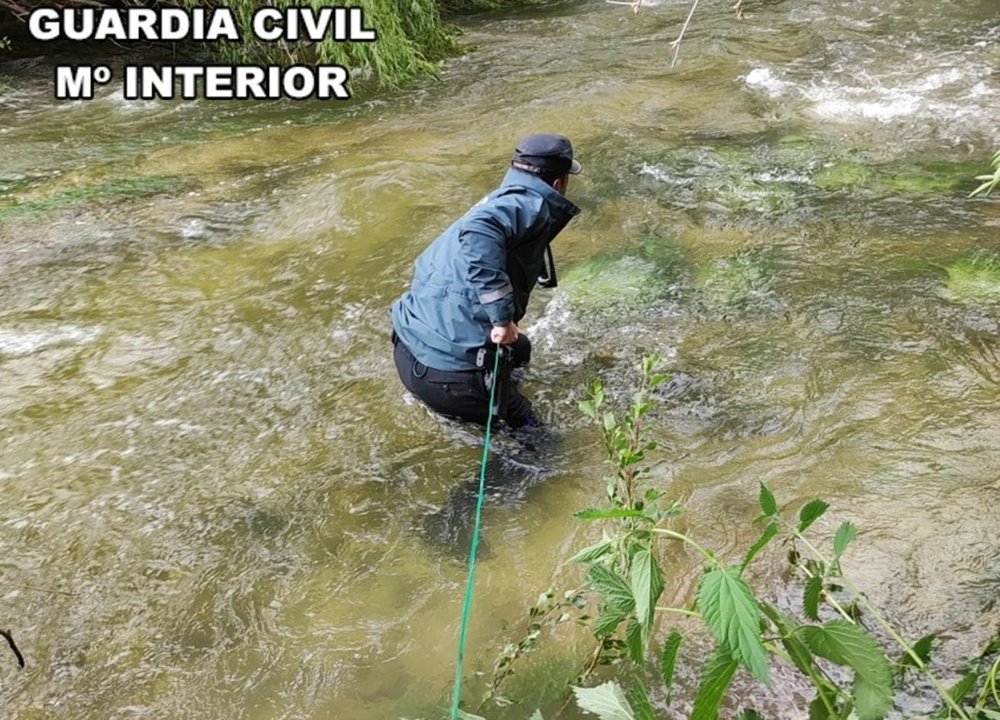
{"x":463,"y":394}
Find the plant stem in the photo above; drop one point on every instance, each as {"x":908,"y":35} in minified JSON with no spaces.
{"x":677,"y":43}
{"x":684,"y":538}
{"x":679,"y":611}
{"x":889,"y":629}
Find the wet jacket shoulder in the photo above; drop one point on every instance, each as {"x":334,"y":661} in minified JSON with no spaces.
{"x":479,"y":273}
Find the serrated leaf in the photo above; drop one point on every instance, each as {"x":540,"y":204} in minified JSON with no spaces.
{"x":587,"y":408}
{"x":608,"y":621}
{"x":639,"y":701}
{"x":669,"y":659}
{"x":810,"y":513}
{"x":811,"y":596}
{"x":922,"y":648}
{"x":963,"y":687}
{"x":731,"y":612}
{"x":634,"y":644}
{"x":846,"y":644}
{"x":769,"y":532}
{"x":610,"y":514}
{"x":845,"y":533}
{"x":818,"y":709}
{"x":611,"y":586}
{"x":589,"y":554}
{"x":796,"y":649}
{"x":607,"y":701}
{"x":715,"y":678}
{"x":537,"y":715}
{"x":646,"y":581}
{"x":768,"y":505}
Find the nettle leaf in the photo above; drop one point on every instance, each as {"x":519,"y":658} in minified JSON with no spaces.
{"x":715,"y":678}
{"x":846,"y":644}
{"x":787,"y":626}
{"x":608,"y":621}
{"x":639,"y":701}
{"x":922,"y":648}
{"x":669,"y":659}
{"x":810,"y":513}
{"x":646,"y":580}
{"x":589,"y":554}
{"x":634,"y":644}
{"x":963,"y":687}
{"x":819,"y":708}
{"x":769,"y":532}
{"x":730,"y":610}
{"x":768,"y":505}
{"x":845,"y":533}
{"x":607,"y":701}
{"x":611,"y":586}
{"x":657,"y":378}
{"x":611,"y":514}
{"x":811,"y":596}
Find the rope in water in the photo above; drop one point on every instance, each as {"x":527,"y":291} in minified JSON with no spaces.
{"x":456,"y":695}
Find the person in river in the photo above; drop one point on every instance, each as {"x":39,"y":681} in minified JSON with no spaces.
{"x":471,"y":287}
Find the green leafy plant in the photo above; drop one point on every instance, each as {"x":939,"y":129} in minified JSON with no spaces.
{"x":625,"y":580}
{"x":990,"y":182}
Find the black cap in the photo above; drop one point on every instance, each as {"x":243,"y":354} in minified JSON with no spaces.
{"x":545,"y":153}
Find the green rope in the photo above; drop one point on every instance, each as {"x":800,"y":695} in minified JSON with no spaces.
{"x":456,"y":694}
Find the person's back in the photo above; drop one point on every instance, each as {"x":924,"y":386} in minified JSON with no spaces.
{"x":472,"y":284}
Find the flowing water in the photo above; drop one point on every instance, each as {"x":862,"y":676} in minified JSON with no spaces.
{"x":216,"y":500}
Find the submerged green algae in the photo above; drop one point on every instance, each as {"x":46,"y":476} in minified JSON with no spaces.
{"x":973,"y":279}
{"x":734,"y":281}
{"x":111,"y":190}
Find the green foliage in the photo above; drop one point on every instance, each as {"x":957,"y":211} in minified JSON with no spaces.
{"x":411,"y":39}
{"x":607,"y":701}
{"x":669,"y":660}
{"x":847,"y":644}
{"x":715,"y":678}
{"x":625,"y":579}
{"x":990,"y":182}
{"x":646,"y":581}
{"x":731,"y":612}
{"x":612,"y":587}
{"x":845,"y":534}
{"x":639,"y":702}
{"x":810,"y":513}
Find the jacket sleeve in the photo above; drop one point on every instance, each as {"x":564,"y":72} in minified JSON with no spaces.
{"x":483,"y":242}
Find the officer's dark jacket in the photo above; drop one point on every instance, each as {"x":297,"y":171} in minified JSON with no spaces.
{"x":480,"y":272}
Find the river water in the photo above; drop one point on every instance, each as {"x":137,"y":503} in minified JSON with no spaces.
{"x":217,"y":502}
